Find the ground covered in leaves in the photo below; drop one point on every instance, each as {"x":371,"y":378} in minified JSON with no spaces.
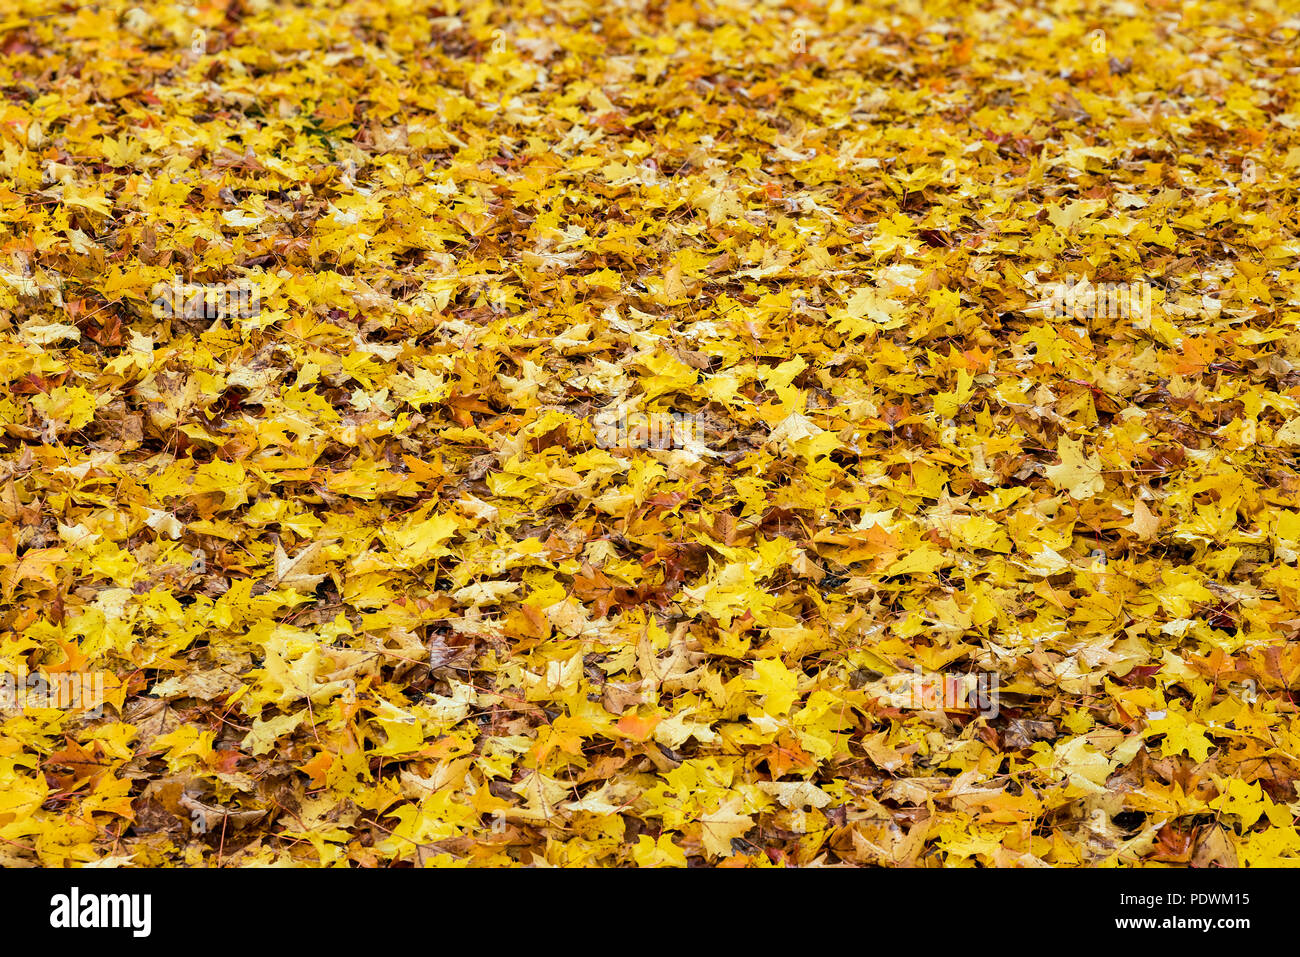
{"x":366,"y":587}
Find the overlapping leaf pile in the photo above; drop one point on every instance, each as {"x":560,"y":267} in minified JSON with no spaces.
{"x":367,"y":589}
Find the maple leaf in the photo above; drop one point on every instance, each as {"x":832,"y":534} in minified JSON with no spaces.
{"x":719,"y":827}
{"x":297,"y":572}
{"x":1077,"y":474}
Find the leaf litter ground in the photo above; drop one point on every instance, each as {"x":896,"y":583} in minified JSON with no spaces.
{"x":660,"y":433}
